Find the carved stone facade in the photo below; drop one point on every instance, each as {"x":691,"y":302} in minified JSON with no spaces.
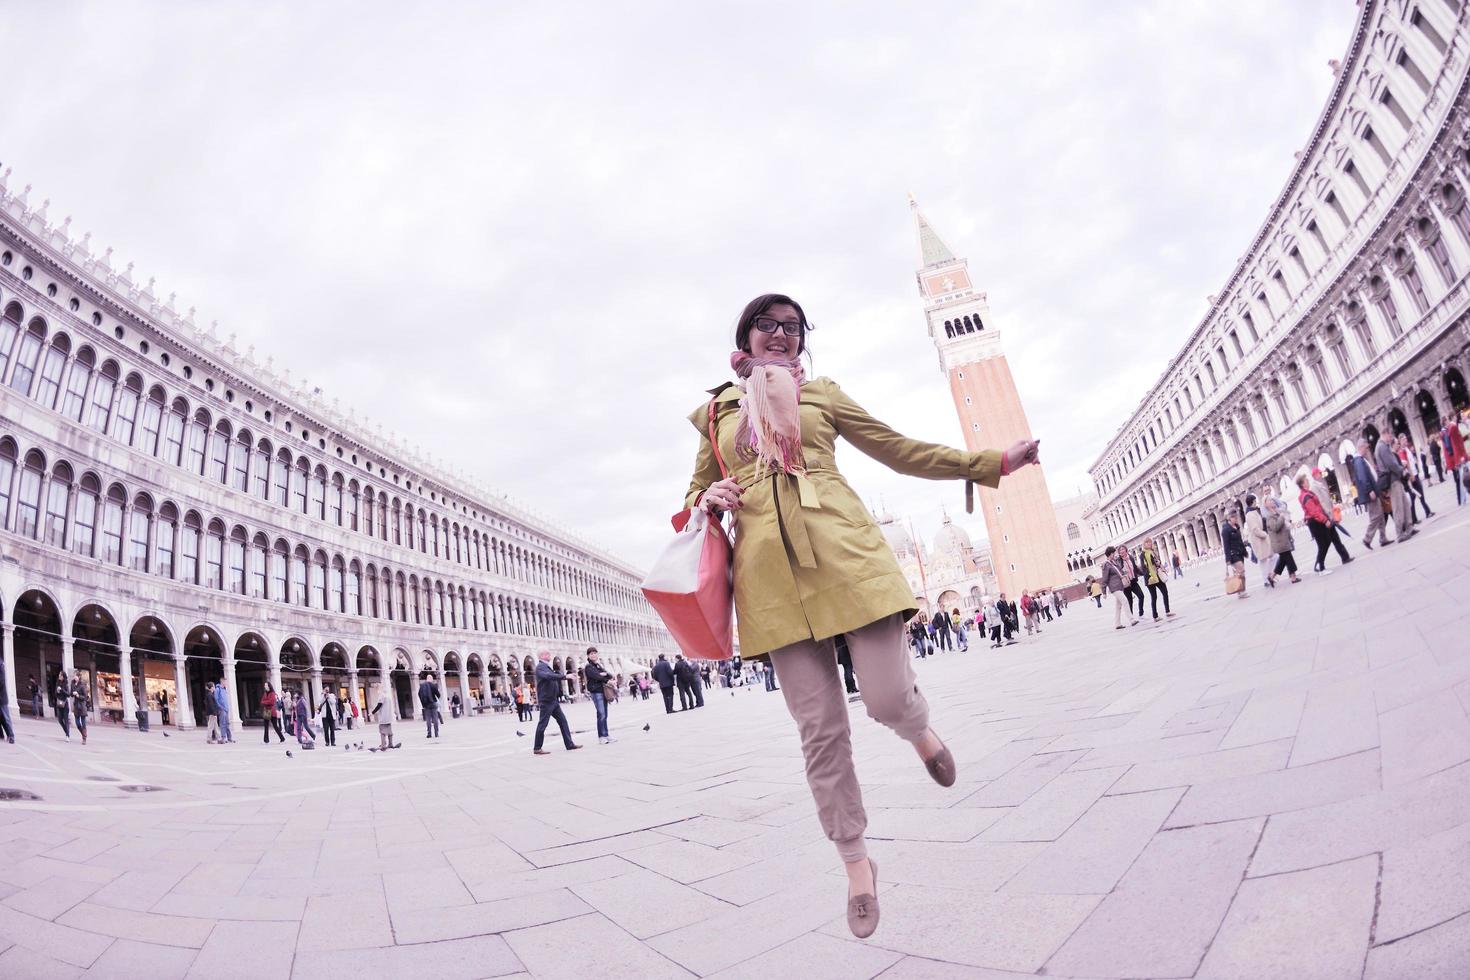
{"x":1349,"y":314}
{"x":173,"y":512}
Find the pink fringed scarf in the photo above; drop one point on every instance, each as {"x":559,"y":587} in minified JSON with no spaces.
{"x":769,"y":424}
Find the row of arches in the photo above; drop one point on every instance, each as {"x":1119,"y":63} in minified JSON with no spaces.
{"x":129,"y":664}
{"x":1197,"y":469}
{"x":41,"y":364}
{"x":958,"y":327}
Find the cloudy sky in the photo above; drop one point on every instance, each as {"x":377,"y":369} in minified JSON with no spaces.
{"x":518,"y":234}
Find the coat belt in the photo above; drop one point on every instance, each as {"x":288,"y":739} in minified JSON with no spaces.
{"x":789,"y":514}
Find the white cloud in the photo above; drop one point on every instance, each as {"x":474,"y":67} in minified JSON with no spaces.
{"x":519,"y":235}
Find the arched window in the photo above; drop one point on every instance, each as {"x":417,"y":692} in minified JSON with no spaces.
{"x":280,"y":558}
{"x":298,"y":575}
{"x":198,"y":436}
{"x":75,"y":398}
{"x":219,"y":452}
{"x":439,"y":599}
{"x":319,"y":581}
{"x":299,"y":478}
{"x":30,"y":353}
{"x":84,"y":529}
{"x":138,"y":522}
{"x":354,"y":589}
{"x":260,"y":478}
{"x":397,"y":522}
{"x":458,"y":547}
{"x":9,"y":330}
{"x":434,"y":530}
{"x":408,"y":526}
{"x":240,"y":461}
{"x":338,"y":591}
{"x":28,"y":515}
{"x":214,"y":559}
{"x":112,"y":525}
{"x":189,"y":549}
{"x":168,"y":523}
{"x":7,"y":478}
{"x":353,"y":501}
{"x":949,"y":328}
{"x":58,"y":500}
{"x":319,"y":494}
{"x":127,"y":410}
{"x":334,"y":500}
{"x":51,"y":368}
{"x":259,"y":557}
{"x":1073,"y":532}
{"x":368,"y":506}
{"x":283,"y":478}
{"x":236,"y":549}
{"x":372,"y":590}
{"x":152,"y":421}
{"x":414,"y":589}
{"x":102,"y":390}
{"x":173,"y":430}
{"x":423,"y":529}
{"x":403,"y":598}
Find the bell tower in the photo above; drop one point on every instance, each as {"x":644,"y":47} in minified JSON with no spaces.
{"x":1025,"y":544}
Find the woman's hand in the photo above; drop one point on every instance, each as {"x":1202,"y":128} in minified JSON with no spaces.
{"x":724,"y":495}
{"x":1023,"y":453}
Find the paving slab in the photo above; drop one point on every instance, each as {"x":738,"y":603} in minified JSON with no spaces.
{"x":1303,"y":925}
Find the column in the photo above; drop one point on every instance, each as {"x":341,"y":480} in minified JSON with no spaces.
{"x":232,"y":695}
{"x":7,"y":662}
{"x":183,"y":713}
{"x":129,"y":697}
{"x":385,"y":692}
{"x":274,"y":659}
{"x":464,"y":685}
{"x":316,"y":686}
{"x":484,"y":680}
{"x":352,"y":685}
{"x":68,"y":656}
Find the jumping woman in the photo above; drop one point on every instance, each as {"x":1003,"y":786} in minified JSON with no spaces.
{"x":810,"y":564}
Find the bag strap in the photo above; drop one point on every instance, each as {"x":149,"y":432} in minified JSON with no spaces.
{"x":714,"y":443}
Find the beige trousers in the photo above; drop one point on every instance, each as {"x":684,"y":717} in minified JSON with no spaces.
{"x":812,"y":685}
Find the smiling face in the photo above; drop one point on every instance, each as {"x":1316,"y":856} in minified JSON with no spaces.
{"x":777,"y":344}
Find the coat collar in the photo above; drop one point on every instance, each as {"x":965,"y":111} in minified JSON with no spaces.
{"x":727,"y":392}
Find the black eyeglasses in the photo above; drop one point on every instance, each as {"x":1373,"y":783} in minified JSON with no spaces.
{"x":766,"y":324}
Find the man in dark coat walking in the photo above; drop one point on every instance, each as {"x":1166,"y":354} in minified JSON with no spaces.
{"x":663,"y":673}
{"x":429,"y":702}
{"x":548,"y":698}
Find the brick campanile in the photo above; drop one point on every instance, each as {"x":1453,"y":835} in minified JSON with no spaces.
{"x":1025,"y":544}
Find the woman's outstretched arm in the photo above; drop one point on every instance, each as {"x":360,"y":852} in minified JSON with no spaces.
{"x":911,"y":457}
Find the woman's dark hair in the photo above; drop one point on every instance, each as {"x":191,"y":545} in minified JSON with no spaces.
{"x":758,"y":307}
{"x":1110,"y":551}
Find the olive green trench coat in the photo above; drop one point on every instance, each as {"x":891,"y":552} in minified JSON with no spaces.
{"x":809,"y":561}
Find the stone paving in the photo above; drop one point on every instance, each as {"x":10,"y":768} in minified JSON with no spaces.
{"x":1274,"y":787}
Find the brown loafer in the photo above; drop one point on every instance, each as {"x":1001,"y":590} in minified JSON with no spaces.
{"x":941,"y":766}
{"x":862,"y":910}
{"x":541,"y":751}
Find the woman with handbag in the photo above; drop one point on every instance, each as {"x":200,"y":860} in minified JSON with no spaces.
{"x":810,"y":564}
{"x":1279,"y":533}
{"x":270,"y":717}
